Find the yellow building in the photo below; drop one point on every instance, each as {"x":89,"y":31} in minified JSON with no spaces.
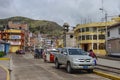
{"x":59,"y":43}
{"x":91,"y":36}
{"x":15,"y":38}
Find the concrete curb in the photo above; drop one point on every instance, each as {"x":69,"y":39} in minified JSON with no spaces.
{"x":113,"y":77}
{"x":7,"y":71}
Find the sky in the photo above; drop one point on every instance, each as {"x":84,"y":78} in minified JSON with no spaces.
{"x":61,"y":11}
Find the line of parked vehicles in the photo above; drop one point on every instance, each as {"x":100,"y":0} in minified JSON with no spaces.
{"x":72,"y":58}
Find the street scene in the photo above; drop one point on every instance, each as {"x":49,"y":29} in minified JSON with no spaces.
{"x":60,"y":40}
{"x":25,"y":67}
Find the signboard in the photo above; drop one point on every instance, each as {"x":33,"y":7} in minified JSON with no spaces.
{"x":15,"y":37}
{"x":15,"y":42}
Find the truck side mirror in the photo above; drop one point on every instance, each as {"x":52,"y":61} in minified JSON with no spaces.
{"x":65,"y":53}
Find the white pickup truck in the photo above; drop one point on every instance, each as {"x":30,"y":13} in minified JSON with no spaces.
{"x":74,"y":58}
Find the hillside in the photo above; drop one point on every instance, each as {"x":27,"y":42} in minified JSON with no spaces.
{"x":35,"y":26}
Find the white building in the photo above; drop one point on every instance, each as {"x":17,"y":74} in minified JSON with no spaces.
{"x":113,"y":40}
{"x":70,"y":39}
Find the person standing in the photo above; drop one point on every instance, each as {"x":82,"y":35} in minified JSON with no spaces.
{"x":92,"y":54}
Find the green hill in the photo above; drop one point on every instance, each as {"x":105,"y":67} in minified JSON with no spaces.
{"x":36,"y":26}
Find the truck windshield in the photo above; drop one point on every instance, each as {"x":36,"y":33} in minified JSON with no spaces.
{"x":77,"y":52}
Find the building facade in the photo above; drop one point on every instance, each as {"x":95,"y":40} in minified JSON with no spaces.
{"x":70,"y":39}
{"x":92,"y":36}
{"x":17,"y":34}
{"x":114,"y":39}
{"x":14,"y":37}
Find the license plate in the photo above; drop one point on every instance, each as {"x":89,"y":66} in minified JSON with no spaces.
{"x":85,"y":67}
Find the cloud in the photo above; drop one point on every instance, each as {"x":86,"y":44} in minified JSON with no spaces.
{"x":5,"y":3}
{"x":60,"y":11}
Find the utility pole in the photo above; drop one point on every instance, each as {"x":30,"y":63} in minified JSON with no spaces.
{"x":106,"y":15}
{"x":106,"y":43}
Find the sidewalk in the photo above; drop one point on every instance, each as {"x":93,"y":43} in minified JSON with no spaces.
{"x":3,"y":74}
{"x":108,"y":62}
{"x":4,"y":68}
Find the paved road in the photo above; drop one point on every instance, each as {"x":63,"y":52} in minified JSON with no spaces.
{"x":3,"y":74}
{"x":27,"y":68}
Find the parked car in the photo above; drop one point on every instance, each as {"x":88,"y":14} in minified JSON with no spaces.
{"x":48,"y":55}
{"x":74,"y":58}
{"x":59,"y":49}
{"x":20,"y":51}
{"x":38,"y":53}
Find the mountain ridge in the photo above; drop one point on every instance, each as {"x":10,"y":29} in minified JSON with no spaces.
{"x":36,"y":26}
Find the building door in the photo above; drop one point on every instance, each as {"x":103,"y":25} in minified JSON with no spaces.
{"x":86,"y":47}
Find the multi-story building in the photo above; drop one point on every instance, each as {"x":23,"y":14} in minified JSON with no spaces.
{"x":113,"y":39}
{"x":15,"y":38}
{"x":21,"y":26}
{"x":91,"y":36}
{"x":17,"y":34}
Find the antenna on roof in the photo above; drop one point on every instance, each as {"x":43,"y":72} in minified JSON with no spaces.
{"x":102,"y":6}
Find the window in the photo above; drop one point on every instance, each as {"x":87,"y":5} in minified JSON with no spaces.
{"x":91,"y":29}
{"x":83,"y":37}
{"x":101,"y":36}
{"x":87,"y":29}
{"x":95,"y":46}
{"x":101,"y":46}
{"x":83,"y":29}
{"x":94,"y":29}
{"x":95,"y":37}
{"x":77,"y":52}
{"x":108,"y":33}
{"x":88,"y":37}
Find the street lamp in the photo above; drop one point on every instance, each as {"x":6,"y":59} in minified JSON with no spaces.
{"x":66,"y":29}
{"x":105,"y":27}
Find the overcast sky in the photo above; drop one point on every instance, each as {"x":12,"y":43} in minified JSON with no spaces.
{"x":71,"y":11}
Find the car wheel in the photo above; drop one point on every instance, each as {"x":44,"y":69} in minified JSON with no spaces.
{"x":90,"y":70}
{"x":69,"y":69}
{"x":57,"y":65}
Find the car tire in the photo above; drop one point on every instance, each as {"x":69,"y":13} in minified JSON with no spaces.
{"x":69,"y":69}
{"x":57,"y":65}
{"x":90,"y":70}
